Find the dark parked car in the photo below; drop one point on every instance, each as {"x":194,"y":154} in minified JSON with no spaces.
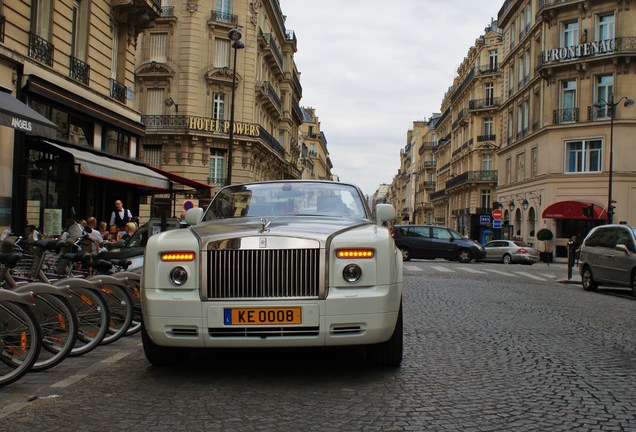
{"x":434,"y":241}
{"x":510,"y":251}
{"x":608,"y":257}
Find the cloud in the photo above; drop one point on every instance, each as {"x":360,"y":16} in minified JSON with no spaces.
{"x":370,"y":68}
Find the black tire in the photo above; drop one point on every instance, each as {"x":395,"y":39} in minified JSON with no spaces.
{"x":406,"y":253}
{"x":464,"y":256}
{"x":161,"y":356}
{"x":19,"y":341}
{"x":120,"y":306}
{"x":93,"y":318}
{"x":634,"y":284}
{"x":587,"y":280}
{"x":507,"y":259}
{"x":389,"y":353}
{"x":59,"y":327}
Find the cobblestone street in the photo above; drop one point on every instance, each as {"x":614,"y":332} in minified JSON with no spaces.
{"x":479,"y":355}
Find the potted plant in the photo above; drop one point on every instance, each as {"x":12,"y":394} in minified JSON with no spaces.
{"x":545,"y":235}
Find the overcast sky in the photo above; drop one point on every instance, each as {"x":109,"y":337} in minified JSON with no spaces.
{"x":370,"y":68}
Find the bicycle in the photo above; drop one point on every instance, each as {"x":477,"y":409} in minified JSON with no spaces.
{"x":53,"y":312}
{"x":20,"y":335}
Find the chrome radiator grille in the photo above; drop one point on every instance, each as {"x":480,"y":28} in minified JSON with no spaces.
{"x":263,"y":273}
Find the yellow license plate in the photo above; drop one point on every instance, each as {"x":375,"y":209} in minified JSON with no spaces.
{"x":261,"y":316}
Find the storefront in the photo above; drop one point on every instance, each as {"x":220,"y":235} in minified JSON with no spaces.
{"x":80,"y":170}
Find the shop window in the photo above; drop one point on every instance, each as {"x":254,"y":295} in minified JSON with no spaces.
{"x":116,"y":142}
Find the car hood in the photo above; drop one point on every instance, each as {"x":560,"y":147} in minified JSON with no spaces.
{"x":284,"y":226}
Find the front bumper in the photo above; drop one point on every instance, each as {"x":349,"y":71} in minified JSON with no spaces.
{"x":346,"y":317}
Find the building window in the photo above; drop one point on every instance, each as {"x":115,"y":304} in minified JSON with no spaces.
{"x":526,"y":117}
{"x":224,"y":6}
{"x":116,"y":142}
{"x":222,"y":53}
{"x":510,"y":125}
{"x":568,"y":102}
{"x":486,"y":162}
{"x":485,"y":198}
{"x":79,"y":30}
{"x":489,"y":91}
{"x":526,"y":65}
{"x":519,"y":121}
{"x":570,"y":34}
{"x":217,"y":167}
{"x":513,"y":35}
{"x":218,"y":106}
{"x":521,"y":167}
{"x":152,"y":155}
{"x":528,"y":16}
{"x":534,"y":162}
{"x":155,"y":101}
{"x":508,"y":169}
{"x":488,"y":126}
{"x":158,"y":47}
{"x":583,"y":156}
{"x":511,"y":79}
{"x":493,"y":59}
{"x":604,"y":92}
{"x":605,"y":27}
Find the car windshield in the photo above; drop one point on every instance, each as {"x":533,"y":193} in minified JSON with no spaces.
{"x":291,"y":198}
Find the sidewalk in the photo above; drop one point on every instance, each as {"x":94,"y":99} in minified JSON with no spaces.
{"x":576,"y":276}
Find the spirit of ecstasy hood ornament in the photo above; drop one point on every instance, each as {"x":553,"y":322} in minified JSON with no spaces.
{"x":264,"y":225}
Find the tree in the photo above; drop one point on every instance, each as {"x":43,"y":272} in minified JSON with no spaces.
{"x":544,"y":235}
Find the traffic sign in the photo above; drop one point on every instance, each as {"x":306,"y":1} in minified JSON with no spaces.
{"x":484,"y":220}
{"x":497,"y":214}
{"x":496,"y":223}
{"x":187,"y":205}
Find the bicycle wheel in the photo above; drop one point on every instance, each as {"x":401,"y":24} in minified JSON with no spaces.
{"x":19,"y":341}
{"x":120,"y":306}
{"x":135,"y":295}
{"x":58,"y":323}
{"x":93,"y":318}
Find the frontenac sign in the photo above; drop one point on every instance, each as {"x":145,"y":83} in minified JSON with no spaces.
{"x":582,"y":50}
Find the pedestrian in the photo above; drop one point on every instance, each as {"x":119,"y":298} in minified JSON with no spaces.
{"x":573,"y":251}
{"x":120,"y":217}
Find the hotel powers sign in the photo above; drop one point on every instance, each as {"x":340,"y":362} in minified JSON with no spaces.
{"x":582,"y":50}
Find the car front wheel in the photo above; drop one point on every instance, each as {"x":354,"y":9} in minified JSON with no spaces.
{"x":388,"y":353}
{"x":507,"y":259}
{"x":587,"y":280}
{"x":406,"y":254}
{"x":634,"y":284}
{"x":159,"y":355}
{"x":464,"y":256}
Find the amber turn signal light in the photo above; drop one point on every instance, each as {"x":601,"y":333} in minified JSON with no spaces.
{"x":355,"y":253}
{"x":178,"y":256}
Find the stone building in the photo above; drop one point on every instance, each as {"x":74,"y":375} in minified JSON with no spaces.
{"x":315,"y":160}
{"x":69,"y":130}
{"x":194,"y":83}
{"x":567,"y":135}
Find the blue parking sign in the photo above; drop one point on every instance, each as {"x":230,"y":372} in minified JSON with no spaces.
{"x":496,"y":223}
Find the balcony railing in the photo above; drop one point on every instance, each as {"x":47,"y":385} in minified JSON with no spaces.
{"x":429,"y":164}
{"x":167,"y":11}
{"x":567,"y":115}
{"x":487,"y":137}
{"x":117,"y":91}
{"x":40,"y":49}
{"x":437,"y":194}
{"x":217,"y":181}
{"x":269,"y":41}
{"x":489,"y":176}
{"x":490,"y":102}
{"x":460,"y":115}
{"x":598,"y":113}
{"x":429,"y":185}
{"x":271,"y":142}
{"x":223,"y":17}
{"x":79,"y":71}
{"x":266,"y":89}
{"x":2,"y":20}
{"x":425,"y":146}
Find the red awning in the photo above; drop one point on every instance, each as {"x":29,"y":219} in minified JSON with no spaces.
{"x":573,"y":210}
{"x":175,"y":178}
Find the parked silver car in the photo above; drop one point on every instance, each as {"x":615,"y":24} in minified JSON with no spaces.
{"x":608,"y":257}
{"x":510,"y":251}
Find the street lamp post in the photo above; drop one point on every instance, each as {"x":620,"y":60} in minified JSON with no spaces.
{"x":611,"y":105}
{"x":235,"y":36}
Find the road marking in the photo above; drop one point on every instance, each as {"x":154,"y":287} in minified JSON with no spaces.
{"x":69,"y":381}
{"x":443,"y":269}
{"x":471,"y":270}
{"x":531,"y":276}
{"x":501,"y":272}
{"x":411,"y":267}
{"x":549,"y":276}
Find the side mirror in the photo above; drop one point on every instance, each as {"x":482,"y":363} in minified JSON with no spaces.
{"x":384,"y":213}
{"x":194,"y":216}
{"x":622,"y":248}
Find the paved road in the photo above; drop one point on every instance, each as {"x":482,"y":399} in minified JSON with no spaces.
{"x":481,"y":353}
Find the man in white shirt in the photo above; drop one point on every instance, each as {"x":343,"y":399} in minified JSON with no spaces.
{"x":94,"y":234}
{"x":120,"y":217}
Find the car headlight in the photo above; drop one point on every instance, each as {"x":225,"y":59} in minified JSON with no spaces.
{"x":352,"y":273}
{"x":178,"y":276}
